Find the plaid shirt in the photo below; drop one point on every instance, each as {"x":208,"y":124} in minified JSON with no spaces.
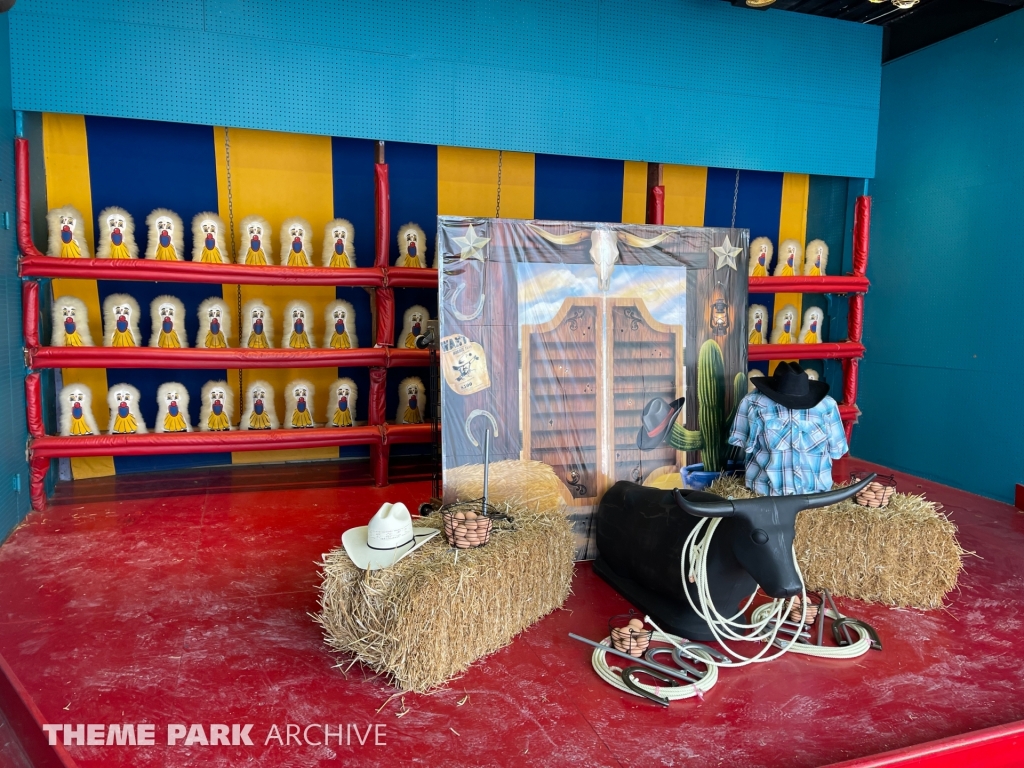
{"x":789,"y":452}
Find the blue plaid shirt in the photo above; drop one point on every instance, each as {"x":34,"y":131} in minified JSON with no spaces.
{"x":789,"y":452}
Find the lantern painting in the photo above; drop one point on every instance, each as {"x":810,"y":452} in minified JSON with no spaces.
{"x":719,"y":314}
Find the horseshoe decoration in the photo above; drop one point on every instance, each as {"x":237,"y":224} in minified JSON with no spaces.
{"x":469,"y":422}
{"x":459,"y":315}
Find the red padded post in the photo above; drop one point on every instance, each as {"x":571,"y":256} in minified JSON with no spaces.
{"x":30,"y":313}
{"x":656,"y":206}
{"x":34,"y":405}
{"x":861,"y":234}
{"x":37,"y":469}
{"x":23,"y":192}
{"x":379,"y":454}
{"x":383,"y":206}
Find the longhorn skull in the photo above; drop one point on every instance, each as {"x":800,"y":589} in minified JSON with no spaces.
{"x":604,"y":246}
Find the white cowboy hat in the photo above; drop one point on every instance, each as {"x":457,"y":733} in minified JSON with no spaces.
{"x":387,"y":539}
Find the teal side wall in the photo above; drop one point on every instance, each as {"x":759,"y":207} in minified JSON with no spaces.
{"x":942,"y":387}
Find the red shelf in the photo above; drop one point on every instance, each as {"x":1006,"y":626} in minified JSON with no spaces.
{"x":842,"y":350}
{"x":50,"y":447}
{"x":802,"y":284}
{"x":153,"y":357}
{"x":232,"y":274}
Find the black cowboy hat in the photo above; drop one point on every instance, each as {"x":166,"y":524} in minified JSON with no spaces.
{"x":657,"y":420}
{"x":792,"y":387}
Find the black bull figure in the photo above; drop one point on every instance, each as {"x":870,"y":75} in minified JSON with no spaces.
{"x":640,"y":536}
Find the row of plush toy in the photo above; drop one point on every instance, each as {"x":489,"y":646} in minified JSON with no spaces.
{"x":121,"y":324}
{"x":166,"y":239}
{"x":784,"y":330}
{"x":792,"y":258}
{"x":217,"y":413}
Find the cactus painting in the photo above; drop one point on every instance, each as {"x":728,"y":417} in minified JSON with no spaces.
{"x":711,"y":436}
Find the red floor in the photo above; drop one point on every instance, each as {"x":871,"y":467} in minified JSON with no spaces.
{"x":118,"y":606}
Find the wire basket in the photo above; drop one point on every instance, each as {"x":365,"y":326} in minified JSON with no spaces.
{"x":468,"y":524}
{"x":628,"y":634}
{"x":877,"y":493}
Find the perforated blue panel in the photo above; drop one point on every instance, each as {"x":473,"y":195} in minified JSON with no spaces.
{"x":943,"y":323}
{"x":13,"y":505}
{"x":695,"y":82}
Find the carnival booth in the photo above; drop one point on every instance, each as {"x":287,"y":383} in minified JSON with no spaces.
{"x":468,"y":393}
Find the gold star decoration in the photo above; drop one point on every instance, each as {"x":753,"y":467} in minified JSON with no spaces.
{"x":471,"y":245}
{"x":726,"y":254}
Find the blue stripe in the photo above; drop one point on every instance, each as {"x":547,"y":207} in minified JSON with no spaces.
{"x":412,"y":173}
{"x":577,"y":188}
{"x":352,"y":162}
{"x":140,"y":165}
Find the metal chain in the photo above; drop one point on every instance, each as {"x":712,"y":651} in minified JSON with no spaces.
{"x":497,"y":208}
{"x":231,"y":229}
{"x":735,"y":198}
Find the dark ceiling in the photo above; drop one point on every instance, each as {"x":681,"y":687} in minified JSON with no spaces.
{"x":905,"y":30}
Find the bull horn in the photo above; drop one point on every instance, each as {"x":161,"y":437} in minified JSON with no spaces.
{"x":828,"y":498}
{"x":641,"y":242}
{"x":796,"y":504}
{"x":720,"y":508}
{"x":570,"y":239}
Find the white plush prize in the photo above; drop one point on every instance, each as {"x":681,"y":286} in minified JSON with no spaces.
{"x":70,"y":323}
{"x":757,"y":324}
{"x":117,"y":235}
{"x":125,"y":419}
{"x":172,"y":408}
{"x":784,"y":331}
{"x":259,"y":410}
{"x":255,"y":248}
{"x":296,"y":242}
{"x":414,"y":323}
{"x":166,"y":241}
{"x":815,"y":258}
{"x":298,"y":399}
{"x":258,"y":330}
{"x":67,"y":233}
{"x":412,"y":246}
{"x":340,"y":326}
{"x":76,"y":411}
{"x":761,"y":251}
{"x":412,"y":400}
{"x":790,"y":264}
{"x":341,"y":410}
{"x":120,"y":321}
{"x":167,"y":314}
{"x":298,"y":316}
{"x":218,"y":407}
{"x":214,"y":324}
{"x":810,"y":333}
{"x":208,"y":243}
{"x":339,"y":244}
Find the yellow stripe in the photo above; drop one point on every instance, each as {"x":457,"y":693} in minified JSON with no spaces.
{"x":277,"y":175}
{"x":792,"y":225}
{"x":66,"y":156}
{"x":685,"y":191}
{"x":467,"y":183}
{"x":634,"y":193}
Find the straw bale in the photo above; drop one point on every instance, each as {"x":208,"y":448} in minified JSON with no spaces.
{"x":424,"y":620}
{"x":906,"y":554}
{"x":530,"y":484}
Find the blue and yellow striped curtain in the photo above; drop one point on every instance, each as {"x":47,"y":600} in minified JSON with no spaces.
{"x":94,"y":162}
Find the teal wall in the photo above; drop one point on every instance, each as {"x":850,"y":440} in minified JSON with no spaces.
{"x":14,"y":504}
{"x":942,"y":387}
{"x":695,"y":82}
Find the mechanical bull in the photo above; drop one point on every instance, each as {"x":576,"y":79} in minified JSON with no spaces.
{"x":641,"y":532}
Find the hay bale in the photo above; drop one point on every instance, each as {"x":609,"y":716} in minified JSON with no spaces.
{"x":530,"y":484}
{"x":424,"y":620}
{"x":904,"y":555}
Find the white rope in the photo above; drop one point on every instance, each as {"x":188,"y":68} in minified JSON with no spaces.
{"x":672,"y":693}
{"x":766,"y":620}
